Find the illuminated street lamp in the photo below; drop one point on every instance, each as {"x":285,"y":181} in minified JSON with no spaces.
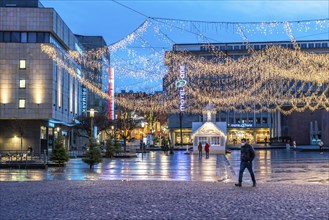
{"x":112,"y":131}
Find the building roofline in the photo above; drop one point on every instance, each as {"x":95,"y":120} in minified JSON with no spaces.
{"x":255,"y":42}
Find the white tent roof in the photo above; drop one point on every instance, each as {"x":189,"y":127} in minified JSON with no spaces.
{"x":209,"y":129}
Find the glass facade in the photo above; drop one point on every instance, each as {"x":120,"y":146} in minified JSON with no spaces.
{"x":24,"y":37}
{"x":253,"y":135}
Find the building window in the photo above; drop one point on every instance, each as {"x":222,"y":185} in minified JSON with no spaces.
{"x":15,"y":37}
{"x":32,"y":37}
{"x":324,"y":44}
{"x":22,"y":84}
{"x":290,"y":46}
{"x":43,"y":132}
{"x":22,"y":64}
{"x":215,"y":141}
{"x":23,"y":37}
{"x":203,"y":140}
{"x":310,"y":45}
{"x":6,"y":37}
{"x":21,"y":103}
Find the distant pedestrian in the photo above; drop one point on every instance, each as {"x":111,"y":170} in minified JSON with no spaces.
{"x":246,"y":157}
{"x":294,"y":145}
{"x":171,"y":149}
{"x":200,"y":150}
{"x":30,"y":150}
{"x":206,"y":148}
{"x":321,"y":147}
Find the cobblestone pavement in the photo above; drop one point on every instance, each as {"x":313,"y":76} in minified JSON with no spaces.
{"x":161,"y":200}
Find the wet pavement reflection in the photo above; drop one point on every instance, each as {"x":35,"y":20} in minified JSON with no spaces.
{"x":281,"y":165}
{"x":270,"y":166}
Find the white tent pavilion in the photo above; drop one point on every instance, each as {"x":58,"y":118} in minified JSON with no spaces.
{"x":214,"y":133}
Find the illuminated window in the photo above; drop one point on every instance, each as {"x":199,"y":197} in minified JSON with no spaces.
{"x":22,"y":84}
{"x":21,"y":103}
{"x":43,"y":132}
{"x":203,"y":140}
{"x":215,"y":141}
{"x":22,"y":64}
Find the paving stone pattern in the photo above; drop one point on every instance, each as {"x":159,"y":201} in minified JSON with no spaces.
{"x":161,"y":200}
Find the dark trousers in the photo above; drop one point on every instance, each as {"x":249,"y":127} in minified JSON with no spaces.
{"x":200,"y":153}
{"x":243,"y":166}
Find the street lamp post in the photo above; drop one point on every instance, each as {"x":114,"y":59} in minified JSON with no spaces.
{"x":21,"y":154}
{"x":112,"y":132}
{"x":92,"y":115}
{"x":142,"y":142}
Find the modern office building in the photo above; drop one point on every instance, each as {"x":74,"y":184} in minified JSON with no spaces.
{"x":38,"y":97}
{"x":99,"y":76}
{"x":257,"y":127}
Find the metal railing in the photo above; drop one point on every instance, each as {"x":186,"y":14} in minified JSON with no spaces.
{"x":20,"y":156}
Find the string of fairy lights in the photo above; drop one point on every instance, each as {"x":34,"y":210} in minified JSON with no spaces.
{"x":271,"y":79}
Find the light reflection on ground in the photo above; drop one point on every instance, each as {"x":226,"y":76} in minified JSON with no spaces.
{"x":270,"y":166}
{"x":283,"y":165}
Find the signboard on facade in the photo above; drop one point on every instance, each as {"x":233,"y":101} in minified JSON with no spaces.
{"x":243,"y":125}
{"x":84,"y":98}
{"x":181,"y":83}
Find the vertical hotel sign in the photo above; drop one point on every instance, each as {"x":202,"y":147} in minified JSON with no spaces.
{"x":84,"y":98}
{"x":180,"y":84}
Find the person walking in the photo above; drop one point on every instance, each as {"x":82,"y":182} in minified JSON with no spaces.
{"x":206,"y":148}
{"x":246,"y":157}
{"x":321,"y":147}
{"x":200,"y":150}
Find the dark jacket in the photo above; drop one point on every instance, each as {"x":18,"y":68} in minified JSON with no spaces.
{"x":247,"y":153}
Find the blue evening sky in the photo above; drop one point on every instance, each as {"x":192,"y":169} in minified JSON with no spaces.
{"x":114,"y":22}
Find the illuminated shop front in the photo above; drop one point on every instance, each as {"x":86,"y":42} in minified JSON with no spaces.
{"x":186,"y":133}
{"x":252,"y":134}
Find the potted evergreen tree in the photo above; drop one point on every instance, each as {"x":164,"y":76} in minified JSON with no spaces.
{"x":112,"y":147}
{"x":93,"y":155}
{"x":59,"y":154}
